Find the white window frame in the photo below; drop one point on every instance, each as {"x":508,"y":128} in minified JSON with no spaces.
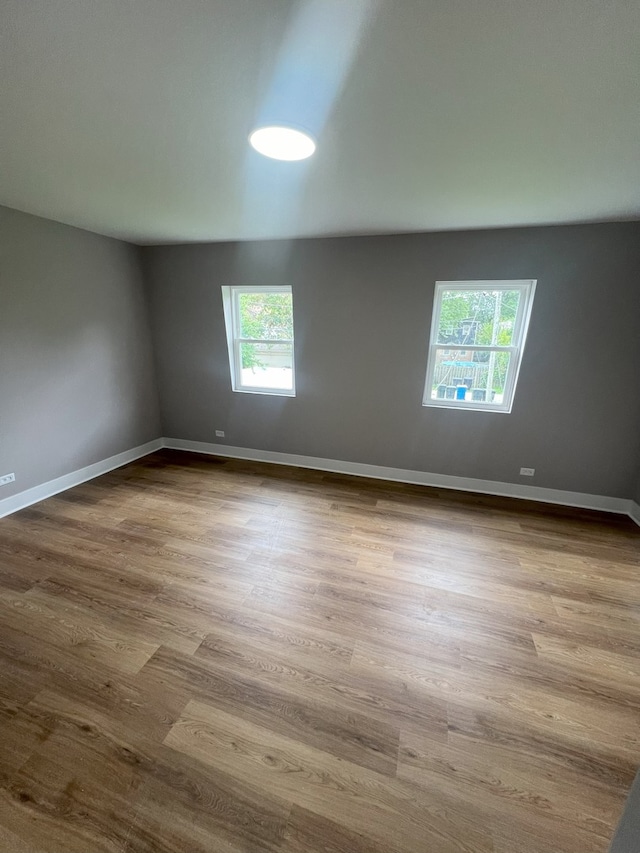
{"x":230,"y":302}
{"x":527,"y":288}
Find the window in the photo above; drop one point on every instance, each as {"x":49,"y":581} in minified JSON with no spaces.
{"x":259,"y":323}
{"x":478,"y":332}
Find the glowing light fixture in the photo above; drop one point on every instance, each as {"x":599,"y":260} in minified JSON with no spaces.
{"x":282,"y":143}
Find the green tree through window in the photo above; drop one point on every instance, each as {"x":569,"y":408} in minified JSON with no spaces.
{"x":478,"y":334}
{"x":263,"y":317}
{"x":259,"y":324}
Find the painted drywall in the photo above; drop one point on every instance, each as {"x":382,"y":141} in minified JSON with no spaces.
{"x":76,"y":367}
{"x":627,"y":835}
{"x":362,"y":309}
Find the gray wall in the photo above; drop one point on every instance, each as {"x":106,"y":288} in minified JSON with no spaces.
{"x":76,"y":368}
{"x":362,"y":310}
{"x":627,"y":834}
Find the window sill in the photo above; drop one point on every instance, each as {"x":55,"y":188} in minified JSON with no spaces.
{"x":467,"y":406}
{"x":265,"y":392}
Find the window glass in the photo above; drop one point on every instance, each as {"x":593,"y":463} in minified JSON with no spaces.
{"x":265,"y":315}
{"x":478,"y":316}
{"x":259,"y":323}
{"x":478,"y":332}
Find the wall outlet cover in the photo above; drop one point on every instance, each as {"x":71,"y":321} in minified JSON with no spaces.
{"x":527,"y":472}
{"x":219,"y":433}
{"x":7,"y":478}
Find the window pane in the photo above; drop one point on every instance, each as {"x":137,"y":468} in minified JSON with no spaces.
{"x":266,"y":315}
{"x":267,"y":366}
{"x":483,"y":317}
{"x":472,"y":377}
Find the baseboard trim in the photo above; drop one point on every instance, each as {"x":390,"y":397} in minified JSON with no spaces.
{"x":603,"y":503}
{"x":53,"y":487}
{"x":421,"y":478}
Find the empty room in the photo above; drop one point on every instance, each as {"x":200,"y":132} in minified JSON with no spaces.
{"x":319,"y":426}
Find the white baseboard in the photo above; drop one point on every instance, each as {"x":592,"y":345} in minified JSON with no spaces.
{"x":421,"y":478}
{"x":356,"y":469}
{"x":61,"y":484}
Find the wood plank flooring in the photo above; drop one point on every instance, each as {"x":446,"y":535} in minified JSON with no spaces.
{"x":208,"y":655}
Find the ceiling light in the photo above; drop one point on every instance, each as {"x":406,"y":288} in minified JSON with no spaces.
{"x":282,"y":143}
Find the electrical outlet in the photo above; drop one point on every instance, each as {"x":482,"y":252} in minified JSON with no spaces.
{"x":8,"y":478}
{"x":527,"y":472}
{"x":219,"y":433}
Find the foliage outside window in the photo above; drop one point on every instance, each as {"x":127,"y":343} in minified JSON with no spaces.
{"x":478,"y":333}
{"x":259,"y":322}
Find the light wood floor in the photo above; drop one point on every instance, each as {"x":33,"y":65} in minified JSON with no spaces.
{"x":228,"y":657}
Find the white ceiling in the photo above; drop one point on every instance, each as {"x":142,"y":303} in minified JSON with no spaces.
{"x":130,"y":117}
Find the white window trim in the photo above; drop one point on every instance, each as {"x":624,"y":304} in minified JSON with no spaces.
{"x":527,"y":288}
{"x":230,"y":295}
